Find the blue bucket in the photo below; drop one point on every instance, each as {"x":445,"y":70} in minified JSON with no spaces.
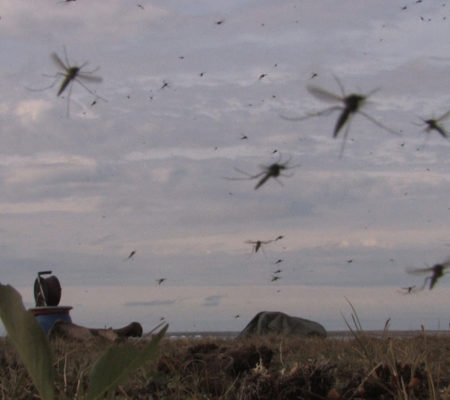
{"x":47,"y":316}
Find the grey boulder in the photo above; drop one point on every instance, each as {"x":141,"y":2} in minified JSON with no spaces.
{"x":275,"y":322}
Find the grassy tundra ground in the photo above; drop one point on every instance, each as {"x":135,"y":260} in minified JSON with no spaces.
{"x":361,"y":367}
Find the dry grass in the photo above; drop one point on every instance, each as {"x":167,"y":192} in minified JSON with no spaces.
{"x":272,"y":367}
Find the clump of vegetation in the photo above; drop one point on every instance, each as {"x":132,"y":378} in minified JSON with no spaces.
{"x":271,"y":367}
{"x":360,"y":366}
{"x":33,"y":359}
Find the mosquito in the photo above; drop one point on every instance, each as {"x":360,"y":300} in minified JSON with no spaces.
{"x":131,"y":255}
{"x":69,"y":74}
{"x":437,"y":272}
{"x":351,"y":104}
{"x":434,"y":125}
{"x":268,"y":171}
{"x":257,"y":244}
{"x":278,"y":271}
{"x":409,"y":289}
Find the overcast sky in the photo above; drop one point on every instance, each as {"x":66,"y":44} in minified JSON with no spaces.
{"x":194,"y":93}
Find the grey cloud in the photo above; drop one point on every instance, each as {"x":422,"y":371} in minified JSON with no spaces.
{"x":213,"y":301}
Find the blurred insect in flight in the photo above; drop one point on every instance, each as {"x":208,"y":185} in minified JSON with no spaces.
{"x":408,"y":289}
{"x":351,"y":104}
{"x":435,"y":125}
{"x":437,"y":272}
{"x":70,"y":74}
{"x":258,"y":243}
{"x":268,"y":171}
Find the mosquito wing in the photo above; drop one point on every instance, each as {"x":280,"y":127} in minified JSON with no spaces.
{"x":419,"y":271}
{"x":58,"y":61}
{"x":90,"y":78}
{"x":323,"y":94}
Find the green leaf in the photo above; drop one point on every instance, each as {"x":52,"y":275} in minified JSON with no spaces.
{"x":29,"y":340}
{"x":114,"y":366}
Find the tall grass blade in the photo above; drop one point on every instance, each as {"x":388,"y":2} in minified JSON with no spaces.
{"x":117,"y":363}
{"x":358,"y":333}
{"x":28,"y":339}
{"x":431,"y":389}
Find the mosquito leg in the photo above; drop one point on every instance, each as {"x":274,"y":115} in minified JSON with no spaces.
{"x":341,"y":88}
{"x":425,"y":282}
{"x":66,"y":58}
{"x":316,"y":114}
{"x":68,"y":100}
{"x":83,"y":65}
{"x":57,"y":75}
{"x":44,"y":88}
{"x":247,"y":174}
{"x":280,"y":183}
{"x":372,"y":92}
{"x":89,"y":72}
{"x":344,"y":139}
{"x":373,"y":120}
{"x":90,"y":91}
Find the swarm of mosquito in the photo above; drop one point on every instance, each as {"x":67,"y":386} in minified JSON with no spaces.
{"x":350,"y":105}
{"x":273,"y":170}
{"x":437,"y":271}
{"x":70,"y":74}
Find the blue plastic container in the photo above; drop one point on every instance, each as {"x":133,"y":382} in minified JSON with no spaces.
{"x":47,"y":316}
